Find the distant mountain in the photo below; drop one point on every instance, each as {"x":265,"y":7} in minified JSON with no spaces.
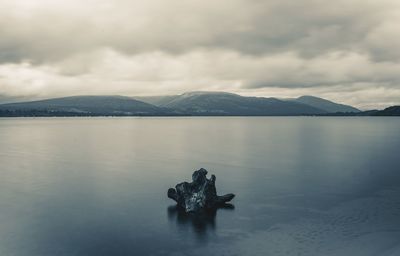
{"x":328,"y":106}
{"x":222,"y":103}
{"x":390,"y":111}
{"x":191,"y":103}
{"x":156,"y":100}
{"x":82,"y":105}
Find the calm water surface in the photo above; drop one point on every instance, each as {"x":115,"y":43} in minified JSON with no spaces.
{"x":97,"y":186}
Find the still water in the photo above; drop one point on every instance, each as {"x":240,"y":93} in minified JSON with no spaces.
{"x":97,"y":186}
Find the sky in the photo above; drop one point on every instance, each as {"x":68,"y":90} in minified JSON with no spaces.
{"x":343,"y":50}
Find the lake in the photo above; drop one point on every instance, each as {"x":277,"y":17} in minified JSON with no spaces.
{"x":97,"y":186}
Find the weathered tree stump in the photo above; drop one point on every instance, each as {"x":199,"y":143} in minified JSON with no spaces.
{"x":199,"y":194}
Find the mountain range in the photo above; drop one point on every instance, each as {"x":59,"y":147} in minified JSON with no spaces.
{"x":187,"y":104}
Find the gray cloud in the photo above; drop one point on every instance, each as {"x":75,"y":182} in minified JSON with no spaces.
{"x":58,"y":47}
{"x":48,"y":30}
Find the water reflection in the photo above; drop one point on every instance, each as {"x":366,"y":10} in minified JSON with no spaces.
{"x":201,"y":222}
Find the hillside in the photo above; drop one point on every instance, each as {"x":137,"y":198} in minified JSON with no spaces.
{"x":390,"y":111}
{"x":222,"y":103}
{"x":82,"y":105}
{"x":156,"y":100}
{"x":328,"y":106}
{"x":187,"y":104}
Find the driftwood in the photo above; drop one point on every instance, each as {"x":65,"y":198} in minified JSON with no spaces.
{"x":198,"y":194}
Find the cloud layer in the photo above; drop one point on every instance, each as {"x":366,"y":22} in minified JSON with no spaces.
{"x":347,"y":51}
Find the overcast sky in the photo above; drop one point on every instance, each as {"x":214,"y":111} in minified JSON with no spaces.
{"x":343,"y":50}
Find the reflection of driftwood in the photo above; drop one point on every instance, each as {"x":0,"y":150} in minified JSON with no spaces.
{"x":201,"y":193}
{"x":201,"y":221}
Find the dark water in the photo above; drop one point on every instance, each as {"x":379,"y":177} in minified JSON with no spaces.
{"x":97,"y":186}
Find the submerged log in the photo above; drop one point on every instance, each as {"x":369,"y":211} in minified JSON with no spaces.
{"x":198,"y":194}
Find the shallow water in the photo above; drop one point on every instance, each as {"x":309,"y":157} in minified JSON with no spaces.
{"x":97,"y":186}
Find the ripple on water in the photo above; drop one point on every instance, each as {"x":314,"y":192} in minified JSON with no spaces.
{"x":366,"y":226}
